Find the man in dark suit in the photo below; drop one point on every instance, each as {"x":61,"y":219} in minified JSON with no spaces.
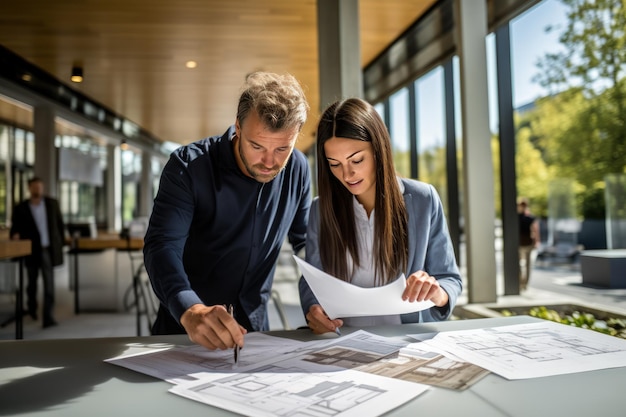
{"x":528,"y":241}
{"x":39,"y":220}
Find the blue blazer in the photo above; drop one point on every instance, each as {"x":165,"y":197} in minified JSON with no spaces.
{"x":430,"y":249}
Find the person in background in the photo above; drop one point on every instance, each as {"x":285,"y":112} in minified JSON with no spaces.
{"x":528,"y":241}
{"x":224,"y":207}
{"x":39,"y":219}
{"x":368,"y":226}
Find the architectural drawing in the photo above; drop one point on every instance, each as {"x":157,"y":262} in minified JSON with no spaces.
{"x":431,"y":369}
{"x":289,"y":392}
{"x":532,"y":350}
{"x":384,"y":359}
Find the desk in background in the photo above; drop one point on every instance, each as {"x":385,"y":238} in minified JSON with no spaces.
{"x":17,"y":249}
{"x":70,"y":378}
{"x":102,"y":270}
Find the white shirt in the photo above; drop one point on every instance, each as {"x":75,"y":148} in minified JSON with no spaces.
{"x":363,"y":276}
{"x":41,"y":219}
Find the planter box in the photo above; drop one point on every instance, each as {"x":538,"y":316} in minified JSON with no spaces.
{"x":608,"y":322}
{"x":604,"y":268}
{"x":476,"y":311}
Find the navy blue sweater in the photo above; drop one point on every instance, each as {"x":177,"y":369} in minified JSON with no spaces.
{"x":215,"y":234}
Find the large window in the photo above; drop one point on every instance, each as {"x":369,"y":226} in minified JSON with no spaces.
{"x":83,"y":189}
{"x":399,"y":130}
{"x":131,"y":179}
{"x":431,"y":137}
{"x":570,"y":99}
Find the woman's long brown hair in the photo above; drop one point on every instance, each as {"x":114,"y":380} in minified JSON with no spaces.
{"x":357,"y":119}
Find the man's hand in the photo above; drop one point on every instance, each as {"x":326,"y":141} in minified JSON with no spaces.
{"x":422,"y":287}
{"x":212,"y":327}
{"x":319,"y":322}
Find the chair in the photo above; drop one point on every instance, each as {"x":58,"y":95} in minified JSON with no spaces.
{"x":146,"y":304}
{"x":286,"y":279}
{"x":143,"y":299}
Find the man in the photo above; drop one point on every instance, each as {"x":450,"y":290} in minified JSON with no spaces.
{"x":39,"y":220}
{"x":528,"y":240}
{"x":225,"y":205}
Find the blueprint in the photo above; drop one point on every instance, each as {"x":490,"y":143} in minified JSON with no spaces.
{"x":285,"y":392}
{"x":531,"y":350}
{"x":176,"y":363}
{"x":283,"y":377}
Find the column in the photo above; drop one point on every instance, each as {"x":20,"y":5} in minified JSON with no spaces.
{"x":339,"y":50}
{"x":114,"y":189}
{"x":145,"y":189}
{"x":508,"y":179}
{"x":45,"y":152}
{"x":471,"y":25}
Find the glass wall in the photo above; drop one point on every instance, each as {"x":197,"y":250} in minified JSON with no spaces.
{"x":16,"y":160}
{"x":399,"y":130}
{"x":82,"y":188}
{"x":569,"y":111}
{"x":131,"y":180}
{"x":569,"y":80}
{"x":431,"y":136}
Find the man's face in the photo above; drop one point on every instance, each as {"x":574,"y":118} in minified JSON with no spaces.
{"x":260,"y":153}
{"x":35,"y":189}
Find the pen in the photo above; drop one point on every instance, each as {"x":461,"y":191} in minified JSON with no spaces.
{"x":337,"y":331}
{"x":236,"y":349}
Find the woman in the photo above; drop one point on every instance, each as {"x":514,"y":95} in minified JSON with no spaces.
{"x":367,"y":226}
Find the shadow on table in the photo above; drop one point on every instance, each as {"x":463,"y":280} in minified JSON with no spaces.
{"x":39,"y":388}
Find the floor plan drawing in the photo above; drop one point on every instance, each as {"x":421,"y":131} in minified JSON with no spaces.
{"x":533,"y":350}
{"x":359,"y":349}
{"x":286,"y":392}
{"x":384,"y":359}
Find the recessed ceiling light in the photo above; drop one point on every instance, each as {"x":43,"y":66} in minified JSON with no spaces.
{"x":77,"y":74}
{"x":191,"y":64}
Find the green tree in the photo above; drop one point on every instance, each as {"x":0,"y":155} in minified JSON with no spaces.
{"x":532,"y":173}
{"x":590,"y":72}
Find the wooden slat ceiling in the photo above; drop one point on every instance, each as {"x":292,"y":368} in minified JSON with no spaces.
{"x":134,"y":52}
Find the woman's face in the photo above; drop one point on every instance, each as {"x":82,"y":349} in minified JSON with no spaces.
{"x":352,"y":162}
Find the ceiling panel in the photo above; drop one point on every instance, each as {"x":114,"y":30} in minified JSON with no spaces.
{"x":134,"y":52}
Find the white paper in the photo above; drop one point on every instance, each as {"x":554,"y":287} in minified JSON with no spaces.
{"x":277,"y":392}
{"x":315,"y":381}
{"x":176,"y":363}
{"x":341,"y":299}
{"x":532,"y":350}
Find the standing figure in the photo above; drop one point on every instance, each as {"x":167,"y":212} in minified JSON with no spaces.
{"x":368,"y":226}
{"x":528,"y":241}
{"x":39,"y":219}
{"x":223,"y":210}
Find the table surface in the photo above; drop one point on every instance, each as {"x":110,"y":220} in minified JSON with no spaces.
{"x":108,"y":242}
{"x":11,"y":249}
{"x":14,"y":248}
{"x":68,"y":377}
{"x":605,"y":253}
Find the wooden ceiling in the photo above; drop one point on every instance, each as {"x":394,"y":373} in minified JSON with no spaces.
{"x":134,"y":52}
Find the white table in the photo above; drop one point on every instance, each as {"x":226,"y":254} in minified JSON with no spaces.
{"x":69,"y":378}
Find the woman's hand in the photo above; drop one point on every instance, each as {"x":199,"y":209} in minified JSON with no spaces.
{"x":422,"y":287}
{"x":319,"y":322}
